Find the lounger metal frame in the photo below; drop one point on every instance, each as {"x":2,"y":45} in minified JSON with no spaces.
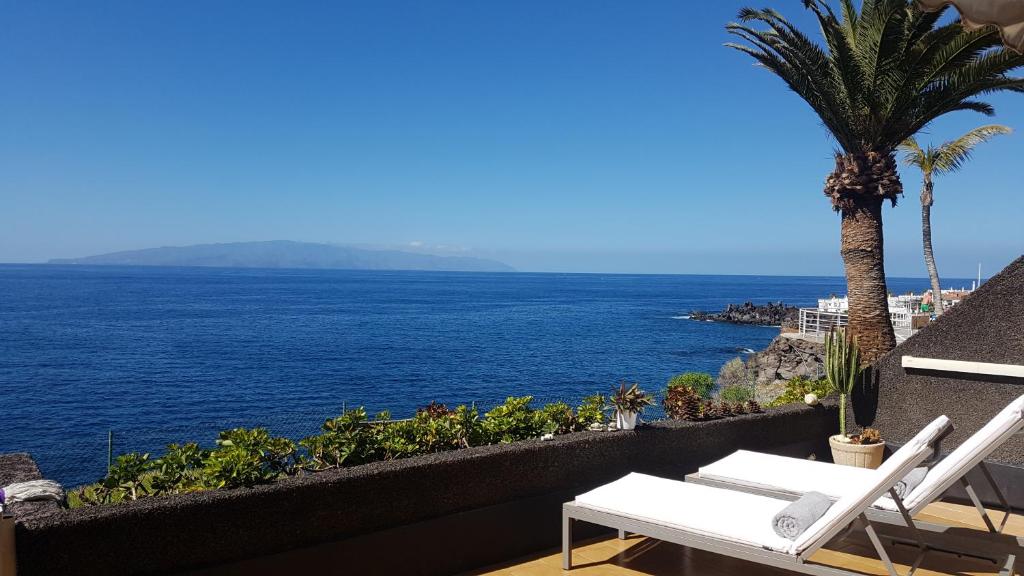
{"x":977,"y":461}
{"x":854,"y":518}
{"x":572,"y":512}
{"x":889,"y":516}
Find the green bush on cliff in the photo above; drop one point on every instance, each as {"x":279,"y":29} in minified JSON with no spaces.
{"x":700,"y":382}
{"x":736,"y":394}
{"x":797,"y":388}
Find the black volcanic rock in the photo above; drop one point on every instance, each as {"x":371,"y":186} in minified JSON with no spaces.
{"x":770,"y":314}
{"x":286,"y":254}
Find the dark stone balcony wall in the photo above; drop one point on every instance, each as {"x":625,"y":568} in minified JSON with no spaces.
{"x":436,"y":514}
{"x":988,"y":326}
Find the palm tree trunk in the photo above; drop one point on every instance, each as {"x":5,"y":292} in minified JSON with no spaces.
{"x":861,"y":245}
{"x":858,"y":186}
{"x":927,"y":199}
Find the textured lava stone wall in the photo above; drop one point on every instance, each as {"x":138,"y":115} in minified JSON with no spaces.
{"x":987,"y":327}
{"x":435,"y":514}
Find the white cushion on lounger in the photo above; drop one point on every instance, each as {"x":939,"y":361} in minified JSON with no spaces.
{"x":724,"y":514}
{"x":847,"y":508}
{"x":1008,"y":422}
{"x":795,"y":475}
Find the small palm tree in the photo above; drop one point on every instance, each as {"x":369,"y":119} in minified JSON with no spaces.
{"x":879,"y":76}
{"x":932,"y":161}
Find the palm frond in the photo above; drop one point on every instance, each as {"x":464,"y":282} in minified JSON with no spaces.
{"x":913,"y":155}
{"x":953,"y":154}
{"x":881,"y":74}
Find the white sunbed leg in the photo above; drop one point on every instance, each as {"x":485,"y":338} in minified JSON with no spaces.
{"x":909,"y":520}
{"x":566,"y":540}
{"x":977,"y":504}
{"x":622,"y":534}
{"x":1007,"y":509}
{"x":879,"y":548}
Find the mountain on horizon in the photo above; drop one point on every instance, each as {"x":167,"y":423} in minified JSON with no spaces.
{"x":288,"y":254}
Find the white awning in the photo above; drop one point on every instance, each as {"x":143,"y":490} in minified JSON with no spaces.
{"x":1007,"y":15}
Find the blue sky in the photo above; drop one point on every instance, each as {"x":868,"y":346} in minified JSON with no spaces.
{"x":569,"y":135}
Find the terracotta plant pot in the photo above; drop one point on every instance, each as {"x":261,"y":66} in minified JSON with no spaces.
{"x":859,"y":455}
{"x":625,"y":420}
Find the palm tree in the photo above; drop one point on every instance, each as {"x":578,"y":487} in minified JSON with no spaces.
{"x":880,"y":76}
{"x":932,"y":161}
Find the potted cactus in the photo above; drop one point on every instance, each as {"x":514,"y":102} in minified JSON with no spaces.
{"x":842,"y":371}
{"x":629,"y":403}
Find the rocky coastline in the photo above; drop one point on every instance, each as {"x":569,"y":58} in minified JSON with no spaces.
{"x":770,"y":314}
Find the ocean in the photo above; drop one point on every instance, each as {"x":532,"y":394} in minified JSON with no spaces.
{"x":160,"y":355}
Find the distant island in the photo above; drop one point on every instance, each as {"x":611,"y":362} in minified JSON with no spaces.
{"x":288,"y":254}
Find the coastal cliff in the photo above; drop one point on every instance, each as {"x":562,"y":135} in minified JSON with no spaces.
{"x":789,"y":357}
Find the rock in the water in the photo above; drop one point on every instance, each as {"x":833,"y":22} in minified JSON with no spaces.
{"x":770,"y":314}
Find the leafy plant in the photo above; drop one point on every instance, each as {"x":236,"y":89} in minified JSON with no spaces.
{"x":683,"y":403}
{"x":513,"y":420}
{"x":559,"y":418}
{"x":797,"y":388}
{"x":179,"y":469}
{"x":867,"y":436}
{"x":344,"y":440}
{"x":246,"y":457}
{"x":591,"y":411}
{"x":631,"y":399}
{"x":700,"y":382}
{"x":736,"y":394}
{"x":842,"y":368}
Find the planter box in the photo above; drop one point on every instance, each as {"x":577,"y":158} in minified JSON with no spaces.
{"x":487,"y":496}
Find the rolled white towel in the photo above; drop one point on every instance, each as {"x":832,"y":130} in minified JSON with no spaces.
{"x":909,"y":482}
{"x":798,"y":516}
{"x":31,"y":491}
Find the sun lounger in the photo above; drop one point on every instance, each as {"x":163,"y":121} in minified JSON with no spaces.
{"x":785,"y":477}
{"x":740,"y":524}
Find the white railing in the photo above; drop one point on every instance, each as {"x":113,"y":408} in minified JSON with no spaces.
{"x":814,"y":321}
{"x":901,"y":319}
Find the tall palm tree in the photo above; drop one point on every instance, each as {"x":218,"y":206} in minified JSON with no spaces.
{"x":932,"y":161}
{"x":879,"y":76}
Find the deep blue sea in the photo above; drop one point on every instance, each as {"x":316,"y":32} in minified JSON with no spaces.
{"x":161,"y":355}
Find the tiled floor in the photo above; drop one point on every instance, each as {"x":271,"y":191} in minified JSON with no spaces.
{"x":643,"y":556}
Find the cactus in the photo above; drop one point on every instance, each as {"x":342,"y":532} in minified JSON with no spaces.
{"x":842,"y":368}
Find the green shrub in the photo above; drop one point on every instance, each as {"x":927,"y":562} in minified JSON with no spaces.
{"x":513,"y":420}
{"x":591,"y":411}
{"x":700,"y":382}
{"x":344,"y":440}
{"x":179,"y":469}
{"x":797,"y":388}
{"x":735,"y":372}
{"x":247,"y":457}
{"x":737,"y":393}
{"x":559,"y":418}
